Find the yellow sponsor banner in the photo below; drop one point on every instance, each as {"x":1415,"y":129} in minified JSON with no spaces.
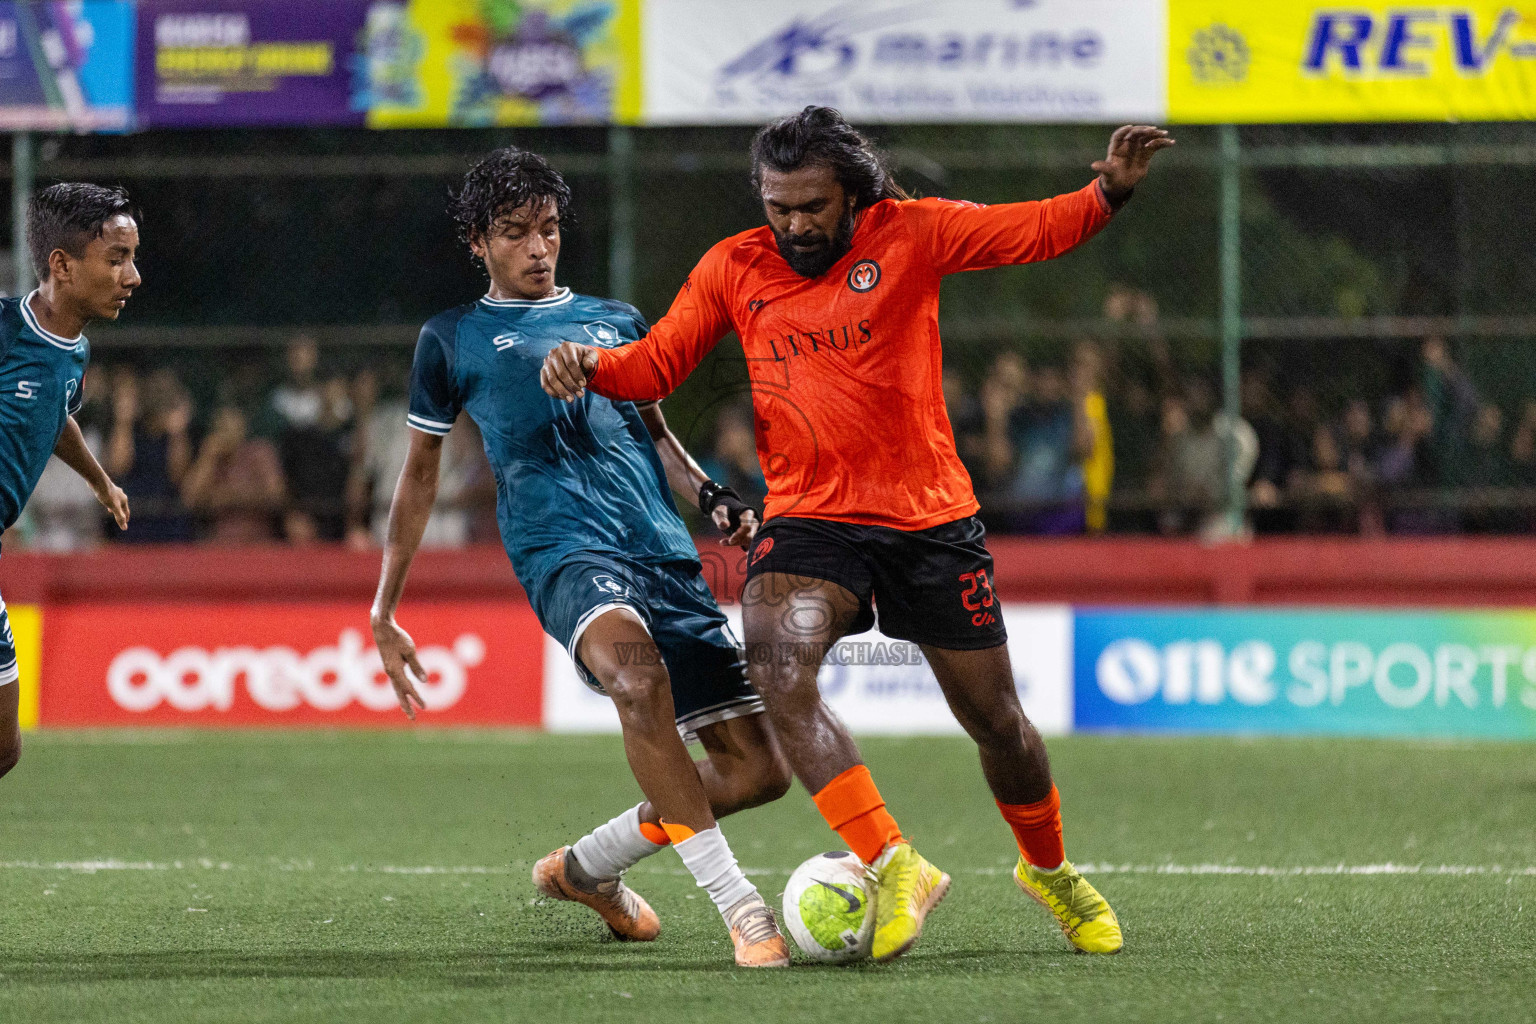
{"x":27,"y":634}
{"x":484,"y":63}
{"x":1304,"y":60}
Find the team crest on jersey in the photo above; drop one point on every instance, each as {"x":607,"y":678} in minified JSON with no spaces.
{"x":602,"y":332}
{"x":609,"y":584}
{"x":863,"y":275}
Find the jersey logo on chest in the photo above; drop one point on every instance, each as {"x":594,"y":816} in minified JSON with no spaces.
{"x":505,"y":341}
{"x":603,"y":333}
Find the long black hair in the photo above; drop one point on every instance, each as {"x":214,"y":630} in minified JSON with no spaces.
{"x":503,"y":181}
{"x":821,"y":135}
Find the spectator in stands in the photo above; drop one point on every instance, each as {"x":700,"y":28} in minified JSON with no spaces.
{"x":1358,"y":443}
{"x":1002,"y":394}
{"x":1049,"y":438}
{"x":465,"y":484}
{"x":1487,"y":458}
{"x":1409,"y":461}
{"x":1402,"y":461}
{"x":1097,"y":450}
{"x":63,"y":514}
{"x":967,"y":423}
{"x":313,"y":428}
{"x":1452,"y":401}
{"x":733,"y":460}
{"x":1134,"y":420}
{"x":1522,"y":447}
{"x":1275,"y":468}
{"x":1193,"y":473}
{"x":148,"y":452}
{"x":236,"y":482}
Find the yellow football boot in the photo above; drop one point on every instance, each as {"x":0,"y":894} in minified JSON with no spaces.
{"x":908,"y":887}
{"x":1084,"y":916}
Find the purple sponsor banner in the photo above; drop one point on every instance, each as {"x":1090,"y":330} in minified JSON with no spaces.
{"x":222,"y":63}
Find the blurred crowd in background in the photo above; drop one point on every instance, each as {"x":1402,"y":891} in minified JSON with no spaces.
{"x":1115,"y":437}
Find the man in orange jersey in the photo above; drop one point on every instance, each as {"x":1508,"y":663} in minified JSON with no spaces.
{"x":836,"y":304}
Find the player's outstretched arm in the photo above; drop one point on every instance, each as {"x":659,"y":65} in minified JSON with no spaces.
{"x":567,"y":369}
{"x":735,"y":518}
{"x":72,"y":451}
{"x":408,"y":515}
{"x":1131,"y":149}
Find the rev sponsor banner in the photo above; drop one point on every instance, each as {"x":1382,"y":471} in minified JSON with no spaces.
{"x":875,"y":684}
{"x":66,"y":66}
{"x":1311,"y":60}
{"x":1452,"y":674}
{"x":894,"y":60}
{"x":477,"y":63}
{"x":290,"y":664}
{"x":224,"y":63}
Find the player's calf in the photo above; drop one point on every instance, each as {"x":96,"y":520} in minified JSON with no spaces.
{"x":10,"y":726}
{"x":744,"y":766}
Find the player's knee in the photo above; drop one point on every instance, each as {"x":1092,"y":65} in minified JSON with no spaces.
{"x":999,"y":728}
{"x":785,"y":686}
{"x":639,"y":691}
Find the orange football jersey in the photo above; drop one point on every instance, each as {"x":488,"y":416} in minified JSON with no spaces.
{"x":846,"y":368}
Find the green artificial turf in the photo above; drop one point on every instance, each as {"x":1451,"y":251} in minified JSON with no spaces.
{"x":356,"y":877}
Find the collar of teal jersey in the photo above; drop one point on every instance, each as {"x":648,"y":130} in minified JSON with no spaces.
{"x":561,"y":296}
{"x":53,"y":339}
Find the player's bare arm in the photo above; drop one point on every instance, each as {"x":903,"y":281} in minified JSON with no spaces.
{"x":72,"y":451}
{"x":734,"y":518}
{"x":567,"y":369}
{"x":1131,"y":149}
{"x":408,"y":515}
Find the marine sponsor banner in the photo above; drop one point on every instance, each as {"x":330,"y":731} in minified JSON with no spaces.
{"x":66,"y":66}
{"x":478,"y":63}
{"x":894,"y":60}
{"x":289,"y":664}
{"x":221,"y":63}
{"x":1453,"y":674}
{"x":1315,"y":61}
{"x":875,"y":684}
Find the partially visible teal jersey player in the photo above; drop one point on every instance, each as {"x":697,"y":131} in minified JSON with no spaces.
{"x":40,"y":379}
{"x":584,"y":501}
{"x":82,"y":240}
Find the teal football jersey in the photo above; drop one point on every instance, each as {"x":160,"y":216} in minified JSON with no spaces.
{"x":571,"y":477}
{"x":40,"y":378}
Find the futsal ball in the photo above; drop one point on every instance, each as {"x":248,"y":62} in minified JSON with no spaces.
{"x":829,"y":908}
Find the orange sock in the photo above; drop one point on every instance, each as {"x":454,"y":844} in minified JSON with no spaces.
{"x":1037,"y":827}
{"x":655,"y":833}
{"x":852,"y":806}
{"x":677,"y":833}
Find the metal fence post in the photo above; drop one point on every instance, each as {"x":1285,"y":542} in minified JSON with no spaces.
{"x":1231,"y":317}
{"x":621,"y":229}
{"x":23,"y":175}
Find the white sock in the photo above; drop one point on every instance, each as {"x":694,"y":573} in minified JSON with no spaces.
{"x":708,"y":857}
{"x":613,"y":848}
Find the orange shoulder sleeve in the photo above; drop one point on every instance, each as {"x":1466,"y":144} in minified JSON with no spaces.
{"x":970,"y":236}
{"x":654,"y":366}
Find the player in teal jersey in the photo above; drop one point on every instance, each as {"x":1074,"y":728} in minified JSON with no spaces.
{"x":82,"y":240}
{"x":588,"y":520}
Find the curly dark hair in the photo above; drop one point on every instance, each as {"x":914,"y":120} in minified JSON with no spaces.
{"x":506,"y":179}
{"x":68,"y":216}
{"x":821,"y":135}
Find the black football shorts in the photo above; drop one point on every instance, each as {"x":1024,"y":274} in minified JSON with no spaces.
{"x":930,"y":586}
